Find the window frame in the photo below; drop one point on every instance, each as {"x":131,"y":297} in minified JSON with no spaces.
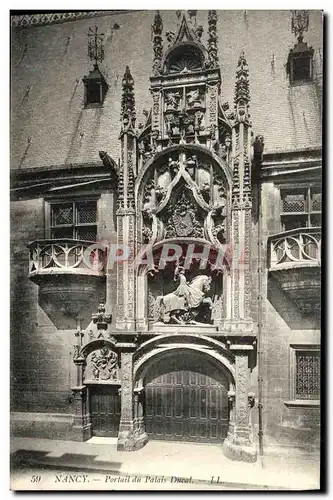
{"x":300,"y":81}
{"x":308,"y":213}
{"x":49,"y":227}
{"x":294,"y":401}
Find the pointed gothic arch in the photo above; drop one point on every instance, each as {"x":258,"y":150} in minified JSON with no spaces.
{"x":220,"y":164}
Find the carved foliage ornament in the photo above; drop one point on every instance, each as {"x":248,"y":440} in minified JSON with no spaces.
{"x":242,"y":89}
{"x":128,"y":114}
{"x":212,"y":39}
{"x":157,"y":29}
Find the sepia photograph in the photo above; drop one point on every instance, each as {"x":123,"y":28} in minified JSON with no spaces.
{"x":165,"y":258}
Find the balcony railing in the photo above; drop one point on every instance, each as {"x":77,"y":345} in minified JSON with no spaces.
{"x":65,"y":256}
{"x":300,"y":247}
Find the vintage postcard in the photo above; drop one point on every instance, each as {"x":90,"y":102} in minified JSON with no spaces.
{"x":165,"y":249}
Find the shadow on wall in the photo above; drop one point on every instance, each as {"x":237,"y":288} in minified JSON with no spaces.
{"x":287,"y":309}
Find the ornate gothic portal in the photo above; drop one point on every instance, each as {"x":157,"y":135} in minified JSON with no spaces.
{"x":184,"y":210}
{"x":184,"y":200}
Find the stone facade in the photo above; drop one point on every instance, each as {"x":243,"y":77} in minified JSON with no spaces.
{"x":182,"y":167}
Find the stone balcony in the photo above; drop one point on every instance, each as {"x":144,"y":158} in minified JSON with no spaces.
{"x":294,"y":259}
{"x":65,"y":256}
{"x":70,"y":277}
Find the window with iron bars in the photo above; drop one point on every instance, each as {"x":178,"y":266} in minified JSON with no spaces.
{"x":307,"y":374}
{"x":300,"y":207}
{"x":74,"y":220}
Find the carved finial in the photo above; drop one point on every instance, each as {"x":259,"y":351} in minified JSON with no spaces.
{"x":299,"y":23}
{"x":242,"y":89}
{"x":128,"y":114}
{"x":212,"y":39}
{"x":101,"y":319}
{"x":95,"y":46}
{"x":157,"y":29}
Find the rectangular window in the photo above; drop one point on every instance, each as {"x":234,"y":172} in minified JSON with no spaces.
{"x":74,"y":220}
{"x":300,"y":207}
{"x":305,"y":372}
{"x":94,"y":94}
{"x":301,"y":68}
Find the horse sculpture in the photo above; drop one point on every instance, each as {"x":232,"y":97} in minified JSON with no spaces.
{"x":184,"y":304}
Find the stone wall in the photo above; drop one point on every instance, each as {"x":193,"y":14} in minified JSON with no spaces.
{"x":283,"y":325}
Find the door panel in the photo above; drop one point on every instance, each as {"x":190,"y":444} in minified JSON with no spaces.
{"x":186,"y":400}
{"x":104,"y":410}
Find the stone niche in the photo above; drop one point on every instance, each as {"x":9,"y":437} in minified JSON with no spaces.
{"x":163,"y":289}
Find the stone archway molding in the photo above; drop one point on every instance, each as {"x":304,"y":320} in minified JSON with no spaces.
{"x":211,"y":349}
{"x":95,"y":344}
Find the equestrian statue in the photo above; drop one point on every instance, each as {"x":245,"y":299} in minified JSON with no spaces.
{"x":187,"y":302}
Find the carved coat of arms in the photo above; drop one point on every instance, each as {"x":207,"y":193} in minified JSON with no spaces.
{"x":182,"y":220}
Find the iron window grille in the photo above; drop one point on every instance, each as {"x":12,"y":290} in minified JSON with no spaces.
{"x":74,"y":220}
{"x":305,"y":372}
{"x":300,"y":208}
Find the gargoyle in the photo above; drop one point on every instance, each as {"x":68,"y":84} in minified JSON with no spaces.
{"x":108,"y":162}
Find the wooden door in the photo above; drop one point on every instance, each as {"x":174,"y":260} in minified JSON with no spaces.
{"x":104,"y":410}
{"x":186,"y":400}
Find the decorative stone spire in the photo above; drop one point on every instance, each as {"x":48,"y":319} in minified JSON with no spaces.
{"x":242,"y":89}
{"x":157,"y":29}
{"x":128,"y":114}
{"x":299,"y":23}
{"x":212,"y":39}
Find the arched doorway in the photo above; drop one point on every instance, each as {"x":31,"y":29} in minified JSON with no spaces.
{"x":186,"y":398}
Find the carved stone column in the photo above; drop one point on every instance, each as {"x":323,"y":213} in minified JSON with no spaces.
{"x":239,"y":444}
{"x":128,"y":437}
{"x":139,"y":424}
{"x":239,"y":319}
{"x":81,"y":429}
{"x":126,"y":211}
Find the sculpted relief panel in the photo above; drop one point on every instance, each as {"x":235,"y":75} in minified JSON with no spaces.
{"x":102,"y":365}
